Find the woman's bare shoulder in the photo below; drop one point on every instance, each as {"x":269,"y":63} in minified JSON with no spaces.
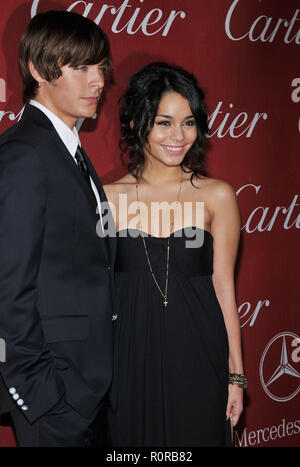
{"x":214,"y":187}
{"x":118,"y":186}
{"x":221,"y":196}
{"x":221,"y":187}
{"x":217,"y":194}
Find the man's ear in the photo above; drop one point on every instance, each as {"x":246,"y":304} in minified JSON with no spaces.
{"x":35,"y":74}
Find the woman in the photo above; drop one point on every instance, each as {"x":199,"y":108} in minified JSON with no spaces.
{"x":178,"y":326}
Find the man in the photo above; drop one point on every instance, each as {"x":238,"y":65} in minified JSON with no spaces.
{"x":55,"y":271}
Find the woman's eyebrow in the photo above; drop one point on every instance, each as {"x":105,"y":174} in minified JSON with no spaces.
{"x":164,"y":116}
{"x":169,"y":116}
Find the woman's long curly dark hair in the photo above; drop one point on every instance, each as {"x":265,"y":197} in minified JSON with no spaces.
{"x":139,"y":106}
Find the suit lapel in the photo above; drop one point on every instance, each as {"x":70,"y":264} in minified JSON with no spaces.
{"x":69,"y":160}
{"x":111,"y":237}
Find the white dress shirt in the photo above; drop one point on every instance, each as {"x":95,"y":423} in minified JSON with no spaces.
{"x":71,"y":140}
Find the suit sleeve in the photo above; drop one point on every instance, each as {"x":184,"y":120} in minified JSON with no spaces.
{"x":29,"y":371}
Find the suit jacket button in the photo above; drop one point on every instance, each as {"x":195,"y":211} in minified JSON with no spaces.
{"x":20,"y":402}
{"x":12,"y":390}
{"x":24,"y":407}
{"x":16,"y":396}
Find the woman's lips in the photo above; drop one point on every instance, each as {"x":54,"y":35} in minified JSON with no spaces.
{"x":173,"y":149}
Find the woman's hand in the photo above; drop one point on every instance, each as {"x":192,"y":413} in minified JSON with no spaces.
{"x":235,"y":403}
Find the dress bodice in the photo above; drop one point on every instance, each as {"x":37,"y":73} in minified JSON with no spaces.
{"x":191,"y":251}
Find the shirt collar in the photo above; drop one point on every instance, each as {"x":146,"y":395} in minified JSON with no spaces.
{"x":69,"y":137}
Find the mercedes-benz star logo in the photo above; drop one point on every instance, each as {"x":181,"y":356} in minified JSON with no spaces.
{"x":284,"y":368}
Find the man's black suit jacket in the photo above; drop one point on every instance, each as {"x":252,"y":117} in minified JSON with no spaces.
{"x":56,"y":302}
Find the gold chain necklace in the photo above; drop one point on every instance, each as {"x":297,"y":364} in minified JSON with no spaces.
{"x":164,"y":294}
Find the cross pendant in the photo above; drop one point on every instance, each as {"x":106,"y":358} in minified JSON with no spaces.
{"x":165,"y":302}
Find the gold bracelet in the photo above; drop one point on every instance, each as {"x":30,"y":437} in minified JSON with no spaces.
{"x":238,"y":379}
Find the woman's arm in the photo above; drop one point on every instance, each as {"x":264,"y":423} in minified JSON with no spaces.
{"x":225,"y":228}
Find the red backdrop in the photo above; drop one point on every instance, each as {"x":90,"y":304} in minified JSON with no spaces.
{"x":245,"y":54}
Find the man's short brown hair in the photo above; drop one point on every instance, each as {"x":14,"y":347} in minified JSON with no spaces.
{"x":58,"y":38}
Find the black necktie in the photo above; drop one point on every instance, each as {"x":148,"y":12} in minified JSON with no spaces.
{"x":82,"y":165}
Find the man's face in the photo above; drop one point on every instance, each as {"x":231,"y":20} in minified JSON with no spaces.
{"x":75,"y":93}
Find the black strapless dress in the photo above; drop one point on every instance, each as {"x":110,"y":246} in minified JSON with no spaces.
{"x":171,"y":378}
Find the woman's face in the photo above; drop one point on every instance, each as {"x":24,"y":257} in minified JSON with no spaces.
{"x":174,"y":131}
